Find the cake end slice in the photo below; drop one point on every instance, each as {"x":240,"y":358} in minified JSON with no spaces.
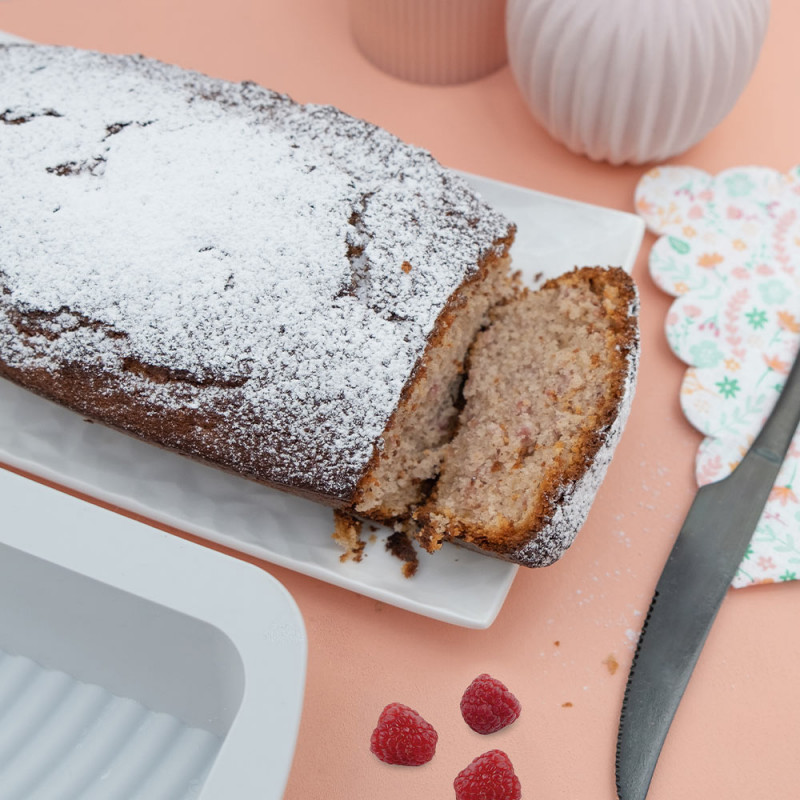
{"x":549,"y":388}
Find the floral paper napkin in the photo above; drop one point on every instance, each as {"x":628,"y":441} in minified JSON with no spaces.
{"x":729,"y":251}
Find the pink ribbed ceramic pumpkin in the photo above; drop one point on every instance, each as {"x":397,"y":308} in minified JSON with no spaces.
{"x":633,"y":80}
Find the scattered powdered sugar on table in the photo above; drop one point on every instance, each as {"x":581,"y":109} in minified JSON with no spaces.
{"x":283,"y":265}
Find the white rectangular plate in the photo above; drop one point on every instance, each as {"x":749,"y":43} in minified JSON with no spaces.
{"x":554,"y":234}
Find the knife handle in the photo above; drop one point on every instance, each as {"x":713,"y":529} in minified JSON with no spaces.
{"x":774,"y":439}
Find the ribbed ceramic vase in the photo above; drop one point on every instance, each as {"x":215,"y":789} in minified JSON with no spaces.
{"x":633,"y":81}
{"x":431,"y":41}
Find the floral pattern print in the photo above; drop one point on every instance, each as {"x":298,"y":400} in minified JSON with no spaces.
{"x":729,"y":251}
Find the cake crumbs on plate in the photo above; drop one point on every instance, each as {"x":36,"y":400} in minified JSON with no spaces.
{"x":347,"y":534}
{"x":400,"y":546}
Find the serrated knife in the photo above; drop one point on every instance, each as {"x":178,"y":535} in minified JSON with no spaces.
{"x":709,"y":548}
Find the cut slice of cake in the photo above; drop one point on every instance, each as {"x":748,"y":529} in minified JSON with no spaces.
{"x":549,"y":388}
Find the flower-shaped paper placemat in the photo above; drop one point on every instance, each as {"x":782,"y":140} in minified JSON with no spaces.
{"x":729,"y":250}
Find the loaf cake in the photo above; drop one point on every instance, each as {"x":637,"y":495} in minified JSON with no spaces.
{"x":282,"y":291}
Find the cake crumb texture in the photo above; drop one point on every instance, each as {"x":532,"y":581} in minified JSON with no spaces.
{"x":549,"y":386}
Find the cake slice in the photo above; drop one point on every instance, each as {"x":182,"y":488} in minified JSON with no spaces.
{"x":549,"y":388}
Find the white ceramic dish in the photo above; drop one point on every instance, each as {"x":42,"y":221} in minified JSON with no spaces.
{"x":554,"y":234}
{"x":454,"y":585}
{"x":10,"y":38}
{"x":136,"y":664}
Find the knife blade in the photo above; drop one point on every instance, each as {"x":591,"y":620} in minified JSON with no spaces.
{"x":707,"y":552}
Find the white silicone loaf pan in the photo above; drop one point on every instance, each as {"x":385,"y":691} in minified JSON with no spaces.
{"x":135,"y":665}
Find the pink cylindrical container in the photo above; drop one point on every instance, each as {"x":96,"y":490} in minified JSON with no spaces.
{"x":431,"y":41}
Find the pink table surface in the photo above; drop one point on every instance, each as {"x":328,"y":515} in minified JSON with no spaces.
{"x":562,"y":629}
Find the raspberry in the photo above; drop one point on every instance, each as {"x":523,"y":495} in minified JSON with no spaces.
{"x":489,"y":777}
{"x":487,"y":705}
{"x":403,"y":737}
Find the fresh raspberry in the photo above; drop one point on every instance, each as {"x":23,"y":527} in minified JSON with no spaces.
{"x":403,"y":737}
{"x":487,"y":705}
{"x":489,"y":777}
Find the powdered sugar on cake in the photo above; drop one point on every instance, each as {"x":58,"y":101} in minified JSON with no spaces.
{"x":227,"y":240}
